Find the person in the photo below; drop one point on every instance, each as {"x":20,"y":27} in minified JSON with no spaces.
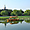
{"x":9,"y":18}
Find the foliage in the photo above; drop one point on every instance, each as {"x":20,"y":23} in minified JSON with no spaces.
{"x":15,"y":12}
{"x":27,"y":12}
{"x":12,"y":14}
{"x":4,"y":13}
{"x":9,"y":10}
{"x":21,"y":11}
{"x":27,"y":21}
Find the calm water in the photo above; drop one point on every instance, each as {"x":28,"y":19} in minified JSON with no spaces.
{"x":21,"y":25}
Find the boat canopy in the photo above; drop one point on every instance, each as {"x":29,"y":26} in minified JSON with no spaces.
{"x":13,"y":17}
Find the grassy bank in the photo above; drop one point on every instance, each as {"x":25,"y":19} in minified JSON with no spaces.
{"x":20,"y":17}
{"x":4,"y":16}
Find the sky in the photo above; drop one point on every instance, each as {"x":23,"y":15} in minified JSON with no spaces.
{"x":15,"y":4}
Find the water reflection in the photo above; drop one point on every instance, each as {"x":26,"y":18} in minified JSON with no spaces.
{"x":27,"y":21}
{"x":13,"y":22}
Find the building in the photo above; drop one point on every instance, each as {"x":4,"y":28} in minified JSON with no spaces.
{"x":3,"y":9}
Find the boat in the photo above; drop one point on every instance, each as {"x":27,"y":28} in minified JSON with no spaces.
{"x":12,"y":19}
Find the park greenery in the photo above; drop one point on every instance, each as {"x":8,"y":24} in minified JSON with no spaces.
{"x":15,"y":12}
{"x":4,"y":13}
{"x":19,"y":17}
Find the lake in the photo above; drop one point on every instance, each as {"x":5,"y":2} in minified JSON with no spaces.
{"x":15,"y":25}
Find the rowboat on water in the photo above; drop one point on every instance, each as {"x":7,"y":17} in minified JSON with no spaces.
{"x":12,"y":19}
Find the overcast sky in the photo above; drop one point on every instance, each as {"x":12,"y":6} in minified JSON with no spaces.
{"x":15,"y":4}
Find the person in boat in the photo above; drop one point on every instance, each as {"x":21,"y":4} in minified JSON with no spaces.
{"x":12,"y":17}
{"x":9,"y":18}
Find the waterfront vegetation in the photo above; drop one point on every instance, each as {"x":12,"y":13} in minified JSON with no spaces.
{"x":14,"y":22}
{"x":27,"y":21}
{"x":15,"y":12}
{"x":5,"y":14}
{"x":20,"y":17}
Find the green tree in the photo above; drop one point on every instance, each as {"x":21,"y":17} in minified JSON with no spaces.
{"x":21,"y":11}
{"x":16,"y":13}
{"x":28,"y":12}
{"x":25,"y":13}
{"x":12,"y":14}
{"x":9,"y":12}
{"x":4,"y":13}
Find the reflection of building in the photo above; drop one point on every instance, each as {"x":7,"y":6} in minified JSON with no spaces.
{"x":5,"y":24}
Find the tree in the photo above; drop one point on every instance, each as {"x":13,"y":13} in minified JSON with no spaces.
{"x":4,"y":12}
{"x":9,"y":12}
{"x":21,"y":11}
{"x":25,"y":13}
{"x":12,"y":14}
{"x":28,"y":12}
{"x":16,"y":13}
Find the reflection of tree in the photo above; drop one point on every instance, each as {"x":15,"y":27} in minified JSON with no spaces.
{"x":4,"y":23}
{"x":27,"y":21}
{"x":21,"y":21}
{"x":11,"y":22}
{"x":14,"y":22}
